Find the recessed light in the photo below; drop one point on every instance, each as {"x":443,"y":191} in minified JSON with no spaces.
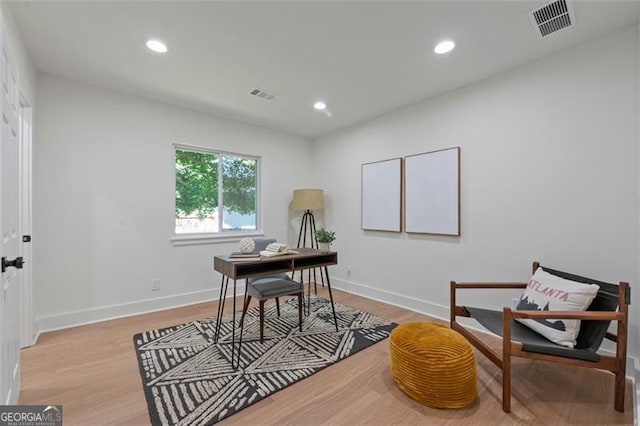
{"x":157,"y":46}
{"x":444,"y":47}
{"x":320,"y":105}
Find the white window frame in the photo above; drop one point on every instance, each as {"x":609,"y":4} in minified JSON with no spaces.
{"x":214,"y":237}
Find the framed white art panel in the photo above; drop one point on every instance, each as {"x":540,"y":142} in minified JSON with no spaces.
{"x":382,"y":195}
{"x":432,"y":192}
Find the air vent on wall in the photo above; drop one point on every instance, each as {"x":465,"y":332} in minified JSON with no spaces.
{"x":552,"y":17}
{"x":263,"y":94}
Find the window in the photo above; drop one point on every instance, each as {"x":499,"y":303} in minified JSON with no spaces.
{"x":215,"y":192}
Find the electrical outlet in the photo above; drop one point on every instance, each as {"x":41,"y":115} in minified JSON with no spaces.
{"x":155,"y":284}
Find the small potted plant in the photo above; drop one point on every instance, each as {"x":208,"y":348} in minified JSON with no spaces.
{"x":325,"y":238}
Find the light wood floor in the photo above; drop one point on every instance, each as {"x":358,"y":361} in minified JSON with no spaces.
{"x":92,"y":371}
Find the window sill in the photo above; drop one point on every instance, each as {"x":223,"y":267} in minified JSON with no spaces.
{"x":194,"y":239}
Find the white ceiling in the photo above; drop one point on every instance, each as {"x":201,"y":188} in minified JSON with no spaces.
{"x":364,"y":59}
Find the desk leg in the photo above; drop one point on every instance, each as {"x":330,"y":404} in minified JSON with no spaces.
{"x":245,"y":306}
{"x":335,"y":319}
{"x":233,"y":329}
{"x":321,"y":277}
{"x":315,"y":283}
{"x":308,"y":304}
{"x":223,"y":295}
{"x":308,"y":298}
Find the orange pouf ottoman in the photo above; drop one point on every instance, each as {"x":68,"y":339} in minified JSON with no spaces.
{"x":433,"y":364}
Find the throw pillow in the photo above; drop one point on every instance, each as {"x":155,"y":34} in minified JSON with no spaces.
{"x":547,"y":292}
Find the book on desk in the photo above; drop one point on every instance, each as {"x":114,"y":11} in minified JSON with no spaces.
{"x":276,"y":249}
{"x":241,"y":255}
{"x":244,"y":257}
{"x":273,"y":249}
{"x":267,"y":253}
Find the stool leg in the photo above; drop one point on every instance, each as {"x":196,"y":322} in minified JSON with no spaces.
{"x":278,"y":305}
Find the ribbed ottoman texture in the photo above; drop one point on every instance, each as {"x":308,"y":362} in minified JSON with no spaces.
{"x":433,"y":364}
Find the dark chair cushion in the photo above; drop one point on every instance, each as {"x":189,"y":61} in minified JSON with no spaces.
{"x":591,"y":332}
{"x":265,"y":288}
{"x":282,"y":276}
{"x":531,"y":341}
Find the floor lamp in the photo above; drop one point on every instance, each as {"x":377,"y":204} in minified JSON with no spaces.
{"x":308,"y":200}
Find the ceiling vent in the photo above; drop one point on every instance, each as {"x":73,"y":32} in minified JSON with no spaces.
{"x":552,"y":17}
{"x":263,"y":94}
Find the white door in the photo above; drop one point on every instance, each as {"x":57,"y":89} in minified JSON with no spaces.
{"x":10,"y":300}
{"x":25,"y":143}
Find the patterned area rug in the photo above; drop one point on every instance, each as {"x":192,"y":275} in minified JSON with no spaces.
{"x":188,"y":380}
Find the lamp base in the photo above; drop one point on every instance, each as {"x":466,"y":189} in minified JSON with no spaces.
{"x":309,"y":223}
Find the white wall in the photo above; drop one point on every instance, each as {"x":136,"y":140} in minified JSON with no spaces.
{"x":103,"y":201}
{"x":21,"y":58}
{"x":549,"y":172}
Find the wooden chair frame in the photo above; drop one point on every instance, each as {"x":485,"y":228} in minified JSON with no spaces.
{"x":615,"y":364}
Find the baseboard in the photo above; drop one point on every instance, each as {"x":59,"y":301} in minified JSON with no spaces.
{"x":36,"y":334}
{"x":105,"y":313}
{"x":636,"y":392}
{"x":407,"y":302}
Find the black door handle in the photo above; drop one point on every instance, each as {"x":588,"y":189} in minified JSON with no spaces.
{"x":17,"y":263}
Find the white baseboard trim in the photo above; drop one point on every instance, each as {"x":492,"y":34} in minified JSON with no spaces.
{"x":636,"y":392}
{"x":105,"y":313}
{"x":36,"y":336}
{"x":424,"y":307}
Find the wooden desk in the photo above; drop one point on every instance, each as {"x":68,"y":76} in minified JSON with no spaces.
{"x":265,"y":266}
{"x":306,"y":258}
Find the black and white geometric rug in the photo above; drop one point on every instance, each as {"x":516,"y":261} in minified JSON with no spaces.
{"x":188,"y":380}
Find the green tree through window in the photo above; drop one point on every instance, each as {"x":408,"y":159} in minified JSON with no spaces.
{"x":206,"y":203}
